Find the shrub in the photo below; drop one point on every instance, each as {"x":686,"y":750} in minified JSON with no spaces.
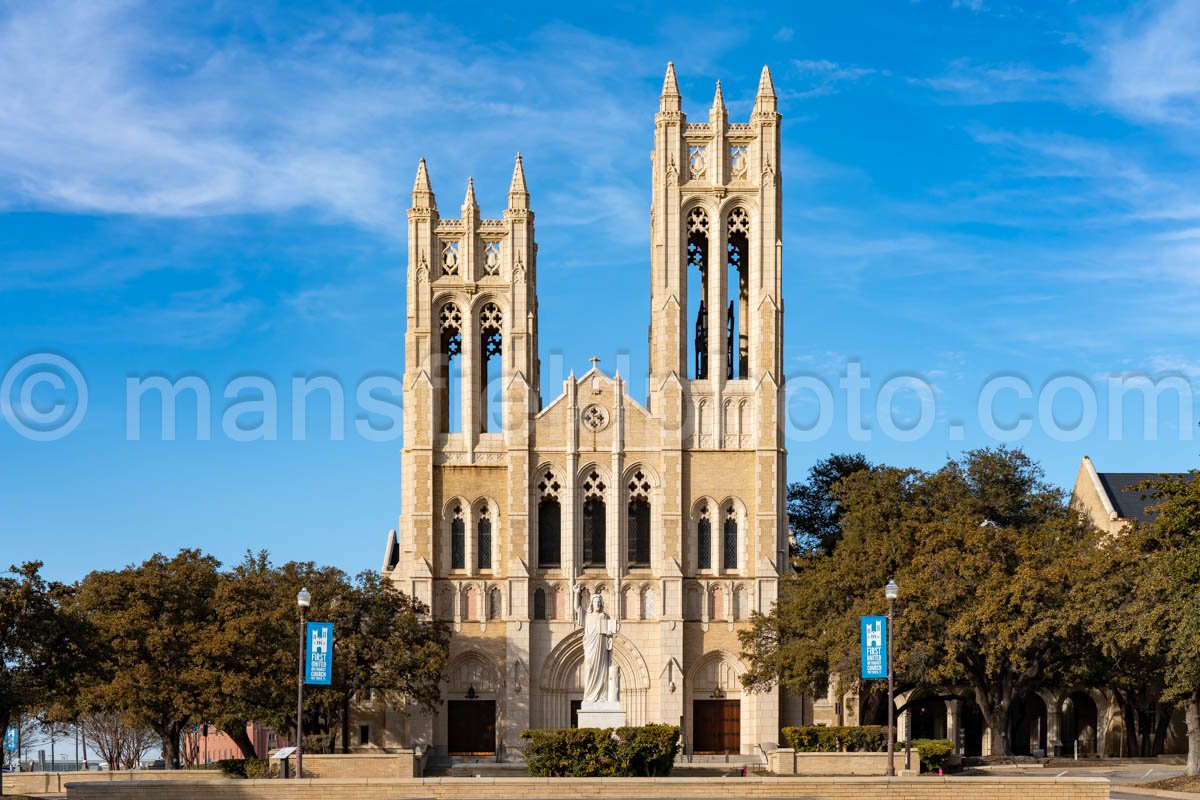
{"x":934,"y":753}
{"x":646,"y":751}
{"x":837,"y":738}
{"x":245,"y":767}
{"x":233,"y":767}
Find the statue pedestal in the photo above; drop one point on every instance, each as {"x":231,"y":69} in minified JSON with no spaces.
{"x":601,"y":715}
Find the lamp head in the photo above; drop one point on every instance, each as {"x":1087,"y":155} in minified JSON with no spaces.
{"x":891,"y":591}
{"x":303,"y":598}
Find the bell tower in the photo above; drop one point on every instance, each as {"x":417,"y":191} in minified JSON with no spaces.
{"x":716,"y":253}
{"x":471,"y":383}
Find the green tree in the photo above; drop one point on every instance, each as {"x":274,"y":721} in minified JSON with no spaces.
{"x":1116,"y":600}
{"x":40,"y":645}
{"x":384,"y":643}
{"x":1170,"y":589}
{"x":985,"y":552}
{"x":153,"y":620}
{"x":814,"y":510}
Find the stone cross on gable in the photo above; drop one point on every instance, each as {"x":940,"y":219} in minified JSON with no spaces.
{"x":594,"y":361}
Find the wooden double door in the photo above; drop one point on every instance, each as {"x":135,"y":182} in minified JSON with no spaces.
{"x":716,"y":726}
{"x":471,"y":727}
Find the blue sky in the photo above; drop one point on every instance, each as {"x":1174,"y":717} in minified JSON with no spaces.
{"x":972,"y":190}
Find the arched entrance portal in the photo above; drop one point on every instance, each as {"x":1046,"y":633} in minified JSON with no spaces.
{"x":472,"y":686}
{"x":717,"y":711}
{"x":928,"y":718}
{"x":562,"y":685}
{"x":1027,"y":725}
{"x":1079,"y":717}
{"x":971,"y":727}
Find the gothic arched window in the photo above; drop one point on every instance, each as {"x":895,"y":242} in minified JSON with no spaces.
{"x":594,"y":512}
{"x":737,"y":296}
{"x":593,"y":532}
{"x":458,"y":540}
{"x":549,"y":522}
{"x":448,"y":378}
{"x":704,"y":539}
{"x":539,"y":604}
{"x":638,"y":553}
{"x":729,"y":549}
{"x":484,"y":540}
{"x":490,"y":390}
{"x":697,"y":290}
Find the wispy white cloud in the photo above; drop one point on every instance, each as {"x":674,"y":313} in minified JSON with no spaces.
{"x":101,"y":112}
{"x":1148,"y":63}
{"x":822,"y":77}
{"x":970,"y":83}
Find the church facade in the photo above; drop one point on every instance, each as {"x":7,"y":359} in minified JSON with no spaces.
{"x":671,"y":507}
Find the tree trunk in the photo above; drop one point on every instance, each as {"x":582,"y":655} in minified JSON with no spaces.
{"x":237,"y":732}
{"x":1165,"y":712}
{"x":995,"y":716}
{"x":1193,"y":732}
{"x":168,"y":735}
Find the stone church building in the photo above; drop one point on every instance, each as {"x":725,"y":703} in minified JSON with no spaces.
{"x":671,"y":507}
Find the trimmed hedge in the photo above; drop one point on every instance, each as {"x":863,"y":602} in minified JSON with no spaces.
{"x":934,"y":753}
{"x":646,"y":751}
{"x":245,"y":767}
{"x":837,"y":738}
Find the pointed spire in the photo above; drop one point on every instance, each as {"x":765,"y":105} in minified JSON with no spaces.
{"x":518,"y":194}
{"x":670,"y":85}
{"x":765,"y":99}
{"x":469,"y":205}
{"x":422,"y":193}
{"x":670,"y":100}
{"x":766,"y":87}
{"x":718,"y":106}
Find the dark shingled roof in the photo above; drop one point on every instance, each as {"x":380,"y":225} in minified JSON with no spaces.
{"x":1131,"y":503}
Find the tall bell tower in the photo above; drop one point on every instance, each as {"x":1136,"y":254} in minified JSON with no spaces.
{"x":716,"y":283}
{"x":715,"y":241}
{"x":471,"y":383}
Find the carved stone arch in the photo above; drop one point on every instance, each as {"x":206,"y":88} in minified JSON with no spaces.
{"x":630,"y":603}
{"x":648,"y":601}
{"x":473,"y":668}
{"x":603,"y":472}
{"x":486,"y":296}
{"x":693,"y":203}
{"x":560,"y":680}
{"x":732,"y":201}
{"x":444,"y":602}
{"x":557,"y":473}
{"x":700,"y":676}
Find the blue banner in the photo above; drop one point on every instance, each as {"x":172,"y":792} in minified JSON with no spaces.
{"x":318,"y":650}
{"x":10,"y":739}
{"x":874,"y":647}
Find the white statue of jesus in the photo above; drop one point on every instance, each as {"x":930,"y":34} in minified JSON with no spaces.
{"x":601,"y":678}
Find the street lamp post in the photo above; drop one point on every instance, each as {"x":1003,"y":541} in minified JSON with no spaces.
{"x":303,"y":600}
{"x":891,"y":591}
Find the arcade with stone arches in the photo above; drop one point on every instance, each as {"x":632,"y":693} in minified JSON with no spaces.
{"x":1044,"y":723}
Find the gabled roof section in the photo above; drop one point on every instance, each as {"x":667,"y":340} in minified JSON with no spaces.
{"x":1128,"y":502}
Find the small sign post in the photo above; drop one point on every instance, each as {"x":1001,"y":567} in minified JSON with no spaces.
{"x":318,"y":662}
{"x":874,"y":647}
